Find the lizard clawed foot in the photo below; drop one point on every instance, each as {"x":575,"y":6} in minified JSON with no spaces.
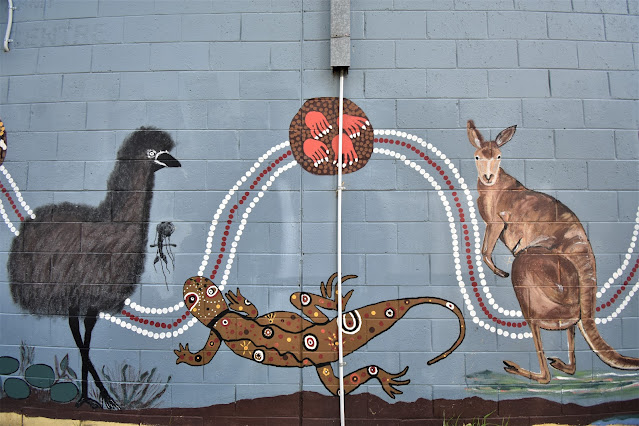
{"x":240,"y":303}
{"x":328,"y":293}
{"x":388,"y":381}
{"x":182,"y":353}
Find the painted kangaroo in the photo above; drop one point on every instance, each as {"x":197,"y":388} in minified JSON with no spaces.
{"x":553,"y":273}
{"x":286,"y":339}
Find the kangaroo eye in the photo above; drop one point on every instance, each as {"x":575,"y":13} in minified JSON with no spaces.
{"x":499,"y":157}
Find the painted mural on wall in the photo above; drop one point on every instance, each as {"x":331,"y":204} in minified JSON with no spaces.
{"x":16,"y":201}
{"x":77,"y":260}
{"x":554,"y":272}
{"x":287,"y":339}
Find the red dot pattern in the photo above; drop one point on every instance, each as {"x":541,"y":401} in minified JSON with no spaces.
{"x":11,"y":202}
{"x":157,"y":324}
{"x":621,"y":289}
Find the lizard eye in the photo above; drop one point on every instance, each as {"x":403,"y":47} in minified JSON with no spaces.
{"x":211,"y":291}
{"x":247,"y":303}
{"x":191,"y":299}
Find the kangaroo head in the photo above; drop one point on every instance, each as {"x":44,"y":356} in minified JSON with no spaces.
{"x":487,"y":153}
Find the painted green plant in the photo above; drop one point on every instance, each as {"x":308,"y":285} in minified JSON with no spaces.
{"x":475,"y":421}
{"x":133,"y":389}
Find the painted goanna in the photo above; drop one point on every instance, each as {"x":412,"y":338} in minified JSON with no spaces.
{"x":286,"y":339}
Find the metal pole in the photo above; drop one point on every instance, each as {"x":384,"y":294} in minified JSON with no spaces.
{"x":340,"y":188}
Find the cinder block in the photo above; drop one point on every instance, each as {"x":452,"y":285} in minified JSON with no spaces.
{"x":20,"y":62}
{"x":579,"y":84}
{"x":317,"y":25}
{"x":73,"y":146}
{"x":483,"y":4}
{"x":492,"y":112}
{"x":4,"y":89}
{"x":64,"y":59}
{"x":518,"y":83}
{"x":209,"y":27}
{"x":395,"y":84}
{"x":285,"y":56}
{"x":16,"y":117}
{"x":151,"y":28}
{"x":367,"y":54}
{"x":121,"y":57}
{"x":62,"y":9}
{"x":316,"y":55}
{"x":240,"y":6}
{"x":116,"y":115}
{"x":457,"y":83}
{"x":270,"y":85}
{"x":41,"y":34}
{"x":239,"y":56}
{"x":372,"y":5}
{"x":180,"y":56}
{"x":149,"y":86}
{"x":599,"y":206}
{"x":58,"y":116}
{"x":209,"y":85}
{"x":424,"y":5}
{"x":396,"y":206}
{"x":627,"y":144}
{"x":168,"y":7}
{"x":93,"y":31}
{"x":91,"y":87}
{"x":35,"y":88}
{"x":423,"y":237}
{"x":556,"y":175}
{"x":622,"y":27}
{"x":271,"y":27}
{"x":600,"y":6}
{"x":487,"y":53}
{"x":605,"y":56}
{"x":29,"y":11}
{"x":358,"y":25}
{"x":553,"y":113}
{"x":427,"y":113}
{"x":517,"y":25}
{"x":395,"y":25}
{"x":178,"y":115}
{"x":200,"y":144}
{"x":116,"y":8}
{"x":624,"y":84}
{"x":584,"y":144}
{"x":381,"y":113}
{"x":611,"y":114}
{"x":33,"y":146}
{"x":369,"y":237}
{"x":456,"y":25}
{"x":605,"y":236}
{"x":544,"y":5}
{"x":575,"y":26}
{"x":425,"y":54}
{"x":55,"y":175}
{"x":281,"y":113}
{"x":287,"y":6}
{"x":547,"y":54}
{"x":234,"y":115}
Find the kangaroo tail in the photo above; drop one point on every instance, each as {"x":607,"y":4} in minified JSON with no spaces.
{"x":462,"y":326}
{"x":603,"y":350}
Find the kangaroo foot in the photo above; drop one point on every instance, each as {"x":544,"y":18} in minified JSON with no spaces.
{"x":514,"y":368}
{"x":562,"y":366}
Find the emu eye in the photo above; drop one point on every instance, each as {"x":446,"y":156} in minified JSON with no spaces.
{"x":151,"y":153}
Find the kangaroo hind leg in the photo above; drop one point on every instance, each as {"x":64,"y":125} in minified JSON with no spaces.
{"x":572,"y":364}
{"x":544,"y":375}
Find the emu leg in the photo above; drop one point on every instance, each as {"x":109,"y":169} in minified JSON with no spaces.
{"x":89,"y":323}
{"x":74,"y":325}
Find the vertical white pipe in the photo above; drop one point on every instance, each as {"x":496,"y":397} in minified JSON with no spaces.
{"x":340,"y":187}
{"x":7,"y":35}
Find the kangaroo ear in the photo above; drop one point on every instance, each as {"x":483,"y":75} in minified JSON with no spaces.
{"x":505,"y":135}
{"x":475,"y":138}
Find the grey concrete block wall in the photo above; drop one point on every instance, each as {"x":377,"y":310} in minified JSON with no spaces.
{"x":225,"y":78}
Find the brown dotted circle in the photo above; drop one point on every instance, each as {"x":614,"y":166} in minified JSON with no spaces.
{"x":299,"y":132}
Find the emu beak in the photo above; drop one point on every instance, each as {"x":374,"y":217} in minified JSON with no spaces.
{"x":165,"y":159}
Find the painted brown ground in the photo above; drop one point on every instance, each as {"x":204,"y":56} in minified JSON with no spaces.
{"x":316,"y":409}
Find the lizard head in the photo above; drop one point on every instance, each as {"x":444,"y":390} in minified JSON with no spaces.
{"x":203,"y":299}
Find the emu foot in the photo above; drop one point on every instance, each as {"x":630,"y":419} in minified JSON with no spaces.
{"x":562,"y":366}
{"x":514,"y":368}
{"x":86,"y":400}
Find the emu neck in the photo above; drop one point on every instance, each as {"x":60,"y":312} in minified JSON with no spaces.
{"x":130,"y":191}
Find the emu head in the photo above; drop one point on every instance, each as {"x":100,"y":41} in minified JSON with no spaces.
{"x":149,"y":147}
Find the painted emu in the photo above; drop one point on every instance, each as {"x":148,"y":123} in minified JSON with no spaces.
{"x":78,"y":260}
{"x":554,"y":272}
